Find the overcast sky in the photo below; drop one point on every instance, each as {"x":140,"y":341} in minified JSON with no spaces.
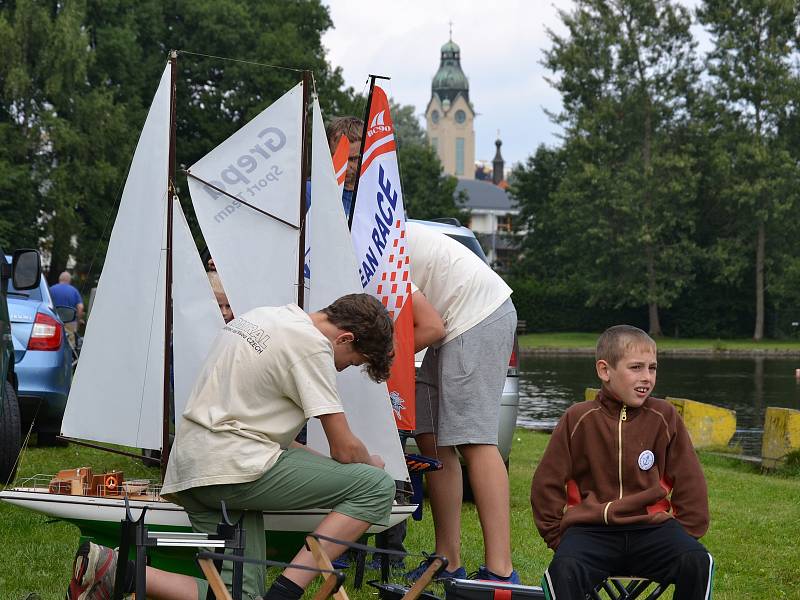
{"x":501,"y":49}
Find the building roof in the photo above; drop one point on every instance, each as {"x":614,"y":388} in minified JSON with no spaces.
{"x":484,"y":195}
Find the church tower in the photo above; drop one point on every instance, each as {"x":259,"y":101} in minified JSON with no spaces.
{"x":450,"y":116}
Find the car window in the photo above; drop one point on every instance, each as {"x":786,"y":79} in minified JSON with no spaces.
{"x":34,"y":294}
{"x":471,"y":243}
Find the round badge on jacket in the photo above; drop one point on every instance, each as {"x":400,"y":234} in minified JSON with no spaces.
{"x":646,"y":460}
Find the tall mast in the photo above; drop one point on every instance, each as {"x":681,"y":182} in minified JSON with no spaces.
{"x":301,"y":280}
{"x":171,"y":192}
{"x":372,"y":79}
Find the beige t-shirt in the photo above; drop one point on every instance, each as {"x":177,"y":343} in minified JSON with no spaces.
{"x":460,"y":286}
{"x":268,"y":371}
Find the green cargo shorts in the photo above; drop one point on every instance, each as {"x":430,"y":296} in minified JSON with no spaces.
{"x":298,"y":480}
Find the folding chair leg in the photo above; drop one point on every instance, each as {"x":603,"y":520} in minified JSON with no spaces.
{"x":214,"y":580}
{"x":327,"y":588}
{"x":324,"y":562}
{"x":421,"y":583}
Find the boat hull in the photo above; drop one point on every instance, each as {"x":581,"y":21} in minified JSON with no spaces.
{"x":99,"y":518}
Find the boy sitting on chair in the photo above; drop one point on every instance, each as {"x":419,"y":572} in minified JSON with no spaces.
{"x":619,"y":490}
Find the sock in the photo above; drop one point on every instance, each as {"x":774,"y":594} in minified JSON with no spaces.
{"x":283,"y":589}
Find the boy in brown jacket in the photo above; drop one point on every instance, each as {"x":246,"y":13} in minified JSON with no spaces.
{"x":619,"y":490}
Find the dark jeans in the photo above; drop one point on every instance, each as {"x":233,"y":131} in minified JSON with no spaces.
{"x":665,"y":553}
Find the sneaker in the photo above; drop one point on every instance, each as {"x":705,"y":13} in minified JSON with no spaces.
{"x":485,"y":574}
{"x":396,"y":563}
{"x":93,"y":573}
{"x":414,"y":574}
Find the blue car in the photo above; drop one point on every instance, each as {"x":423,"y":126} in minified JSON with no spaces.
{"x":42,"y":360}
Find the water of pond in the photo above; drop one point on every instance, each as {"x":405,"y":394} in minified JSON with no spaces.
{"x":550,"y":383}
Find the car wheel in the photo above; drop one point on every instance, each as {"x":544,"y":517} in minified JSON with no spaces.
{"x":10,"y":434}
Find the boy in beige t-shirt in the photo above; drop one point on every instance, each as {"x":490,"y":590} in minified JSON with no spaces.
{"x":269,"y":370}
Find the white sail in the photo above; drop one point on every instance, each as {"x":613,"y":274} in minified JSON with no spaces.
{"x":335,"y":273}
{"x":196,"y":318}
{"x":256,"y":255}
{"x":117,"y":393}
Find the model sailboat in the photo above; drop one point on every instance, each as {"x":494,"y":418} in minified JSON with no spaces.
{"x":248,"y":201}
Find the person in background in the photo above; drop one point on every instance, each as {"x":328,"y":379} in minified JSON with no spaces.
{"x":352,"y":127}
{"x":65,"y":294}
{"x":219,"y":294}
{"x":619,"y":490}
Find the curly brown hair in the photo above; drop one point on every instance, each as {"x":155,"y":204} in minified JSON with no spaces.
{"x":366,"y":318}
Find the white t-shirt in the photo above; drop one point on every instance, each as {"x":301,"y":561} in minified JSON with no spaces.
{"x":459,"y":285}
{"x":268,"y":371}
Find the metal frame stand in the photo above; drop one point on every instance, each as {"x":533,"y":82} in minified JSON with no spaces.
{"x":229,"y":536}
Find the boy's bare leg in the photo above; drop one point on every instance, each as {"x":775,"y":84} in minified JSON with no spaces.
{"x":163,"y":585}
{"x":488,"y":479}
{"x":445,"y":491}
{"x":335,"y":525}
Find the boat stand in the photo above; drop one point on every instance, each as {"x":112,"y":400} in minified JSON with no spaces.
{"x":134,"y":532}
{"x":436,"y":564}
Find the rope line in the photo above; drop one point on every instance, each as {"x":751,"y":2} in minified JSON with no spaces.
{"x":246,"y":62}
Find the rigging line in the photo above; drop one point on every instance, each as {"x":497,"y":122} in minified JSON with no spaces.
{"x":221,"y":191}
{"x":239,"y":60}
{"x":23,"y":448}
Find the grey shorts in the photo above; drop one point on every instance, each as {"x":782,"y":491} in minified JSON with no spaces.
{"x":460,"y":384}
{"x":299,"y":480}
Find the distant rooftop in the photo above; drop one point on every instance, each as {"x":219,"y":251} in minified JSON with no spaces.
{"x":484,"y":195}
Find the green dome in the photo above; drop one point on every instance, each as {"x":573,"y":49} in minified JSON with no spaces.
{"x":450,"y":46}
{"x":450,"y":80}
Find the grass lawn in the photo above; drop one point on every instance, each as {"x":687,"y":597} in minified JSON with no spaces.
{"x":575,"y":340}
{"x":754,"y":532}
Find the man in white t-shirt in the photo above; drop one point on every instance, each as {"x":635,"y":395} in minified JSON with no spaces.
{"x":269,"y":371}
{"x":462,"y":309}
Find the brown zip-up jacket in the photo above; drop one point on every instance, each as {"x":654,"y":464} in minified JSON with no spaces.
{"x":610,"y":464}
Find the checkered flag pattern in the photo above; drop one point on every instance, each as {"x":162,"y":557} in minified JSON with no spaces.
{"x":395,"y":286}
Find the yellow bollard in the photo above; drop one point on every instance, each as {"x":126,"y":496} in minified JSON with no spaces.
{"x":781,"y":435}
{"x":590,"y":393}
{"x":709,"y":426}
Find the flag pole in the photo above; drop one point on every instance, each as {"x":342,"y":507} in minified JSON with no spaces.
{"x":372,"y":79}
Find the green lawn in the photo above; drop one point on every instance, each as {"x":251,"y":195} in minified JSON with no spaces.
{"x":587,"y":341}
{"x":754,"y":532}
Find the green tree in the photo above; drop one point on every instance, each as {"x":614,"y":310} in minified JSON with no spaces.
{"x":626,"y":72}
{"x":408,"y":131}
{"x":427,"y":192}
{"x":754,"y":79}
{"x":534,"y":185}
